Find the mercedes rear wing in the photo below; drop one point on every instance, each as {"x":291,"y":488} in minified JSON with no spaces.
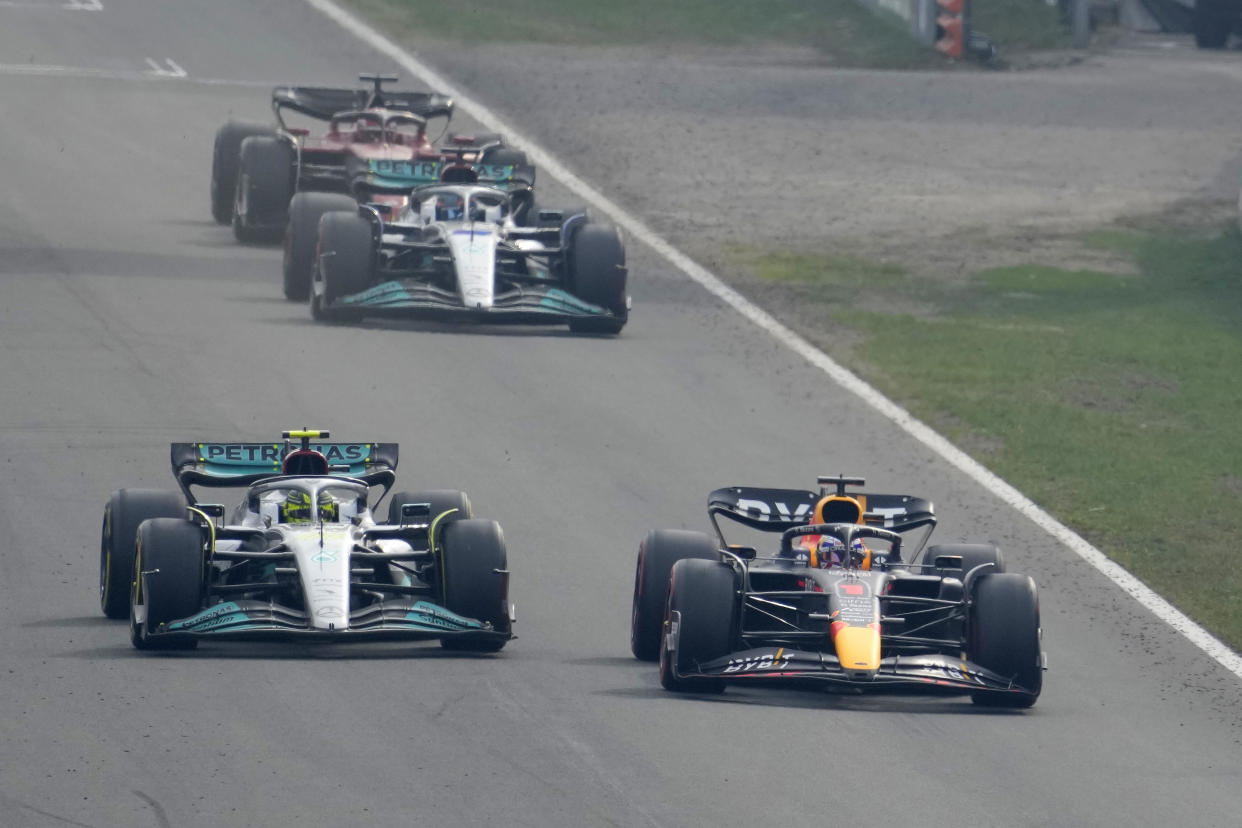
{"x":235,"y":465}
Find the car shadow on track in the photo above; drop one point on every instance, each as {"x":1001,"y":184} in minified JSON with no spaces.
{"x":426,"y":326}
{"x":284,"y":651}
{"x":886,"y":703}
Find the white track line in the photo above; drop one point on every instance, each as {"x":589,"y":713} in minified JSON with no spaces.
{"x":545,"y":162}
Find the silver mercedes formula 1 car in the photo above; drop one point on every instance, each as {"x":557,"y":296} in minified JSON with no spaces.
{"x":302,"y":557}
{"x":475,"y":253}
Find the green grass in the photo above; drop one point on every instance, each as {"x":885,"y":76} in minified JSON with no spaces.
{"x":1111,"y":400}
{"x":1019,"y":26}
{"x":842,"y":30}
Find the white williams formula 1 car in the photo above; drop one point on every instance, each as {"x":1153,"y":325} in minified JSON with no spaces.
{"x":302,"y":557}
{"x":473,"y":253}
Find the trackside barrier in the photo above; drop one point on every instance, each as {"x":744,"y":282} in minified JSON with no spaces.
{"x":944,"y":24}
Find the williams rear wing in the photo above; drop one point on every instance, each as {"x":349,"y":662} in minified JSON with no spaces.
{"x":233,"y":465}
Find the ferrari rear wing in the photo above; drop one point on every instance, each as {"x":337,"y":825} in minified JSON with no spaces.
{"x":233,"y":465}
{"x":322,"y":103}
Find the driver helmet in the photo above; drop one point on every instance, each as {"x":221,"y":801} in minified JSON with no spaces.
{"x":831,"y":552}
{"x":297,"y":508}
{"x":448,"y":208}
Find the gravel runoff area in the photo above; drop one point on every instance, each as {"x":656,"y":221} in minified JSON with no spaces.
{"x":940,"y":172}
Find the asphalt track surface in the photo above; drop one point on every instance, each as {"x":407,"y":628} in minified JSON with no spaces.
{"x":128,"y":320}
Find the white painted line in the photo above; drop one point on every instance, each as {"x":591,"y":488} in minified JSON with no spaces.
{"x":172,"y":70}
{"x":69,"y":5}
{"x":147,"y":76}
{"x":544,"y":160}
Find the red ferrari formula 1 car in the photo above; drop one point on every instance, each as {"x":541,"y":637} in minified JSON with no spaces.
{"x":836,"y":604}
{"x":274,"y":182}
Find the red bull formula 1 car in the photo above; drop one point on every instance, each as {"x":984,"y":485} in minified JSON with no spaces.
{"x":274,"y":182}
{"x":302,"y":557}
{"x":835,"y":603}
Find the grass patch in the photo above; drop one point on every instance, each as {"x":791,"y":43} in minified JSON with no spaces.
{"x":842,"y":30}
{"x":1111,"y":400}
{"x":1020,"y":26}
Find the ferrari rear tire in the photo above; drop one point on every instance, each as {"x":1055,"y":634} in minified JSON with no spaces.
{"x":345,"y":264}
{"x":1004,"y":636}
{"x":225,"y":158}
{"x":302,"y":237}
{"x":597,"y":275}
{"x":702,"y":603}
{"x":656,"y":556}
{"x":124,"y":513}
{"x":265,"y":182}
{"x":168,"y":580}
{"x":474,"y":578}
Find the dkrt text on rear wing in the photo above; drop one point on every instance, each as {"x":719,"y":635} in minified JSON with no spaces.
{"x":777,"y":510}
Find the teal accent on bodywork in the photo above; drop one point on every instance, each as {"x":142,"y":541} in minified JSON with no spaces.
{"x":562,"y":302}
{"x":221,"y":615}
{"x":408,"y":174}
{"x":242,"y":459}
{"x":537,"y":299}
{"x":431,"y":615}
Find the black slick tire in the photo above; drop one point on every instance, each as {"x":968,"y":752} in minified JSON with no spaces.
{"x":302,"y":236}
{"x":265,"y":183}
{"x":972,"y":555}
{"x":656,"y":556}
{"x":344,"y":264}
{"x":1004,"y":637}
{"x":474,"y":580}
{"x":447,"y":506}
{"x":125,"y":511}
{"x":702,"y":602}
{"x":597,"y":275}
{"x":225,"y":157}
{"x":168,"y":580}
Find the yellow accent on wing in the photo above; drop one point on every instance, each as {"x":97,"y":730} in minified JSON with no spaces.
{"x":858,"y":648}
